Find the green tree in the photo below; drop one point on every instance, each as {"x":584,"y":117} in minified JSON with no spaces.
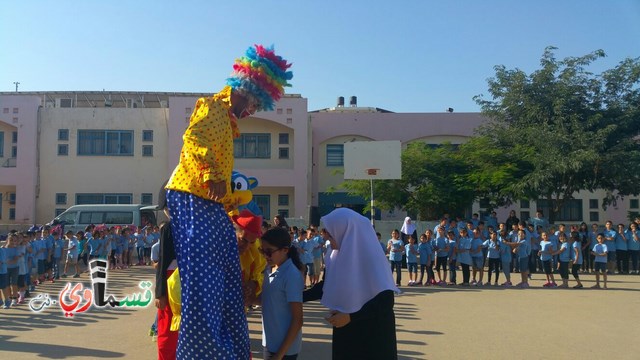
{"x":567,"y":129}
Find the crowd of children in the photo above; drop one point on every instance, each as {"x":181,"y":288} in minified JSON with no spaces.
{"x":43,"y":254}
{"x":515,"y":246}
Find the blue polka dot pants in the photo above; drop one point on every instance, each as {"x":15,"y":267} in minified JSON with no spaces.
{"x":213,"y":324}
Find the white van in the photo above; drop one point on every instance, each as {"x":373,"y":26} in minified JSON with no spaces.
{"x":77,"y":217}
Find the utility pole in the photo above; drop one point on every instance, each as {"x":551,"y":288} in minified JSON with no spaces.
{"x":16,"y":83}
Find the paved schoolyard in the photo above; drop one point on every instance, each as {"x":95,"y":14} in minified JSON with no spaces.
{"x":432,"y":323}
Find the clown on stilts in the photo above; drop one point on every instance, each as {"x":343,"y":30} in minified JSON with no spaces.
{"x":213,"y":323}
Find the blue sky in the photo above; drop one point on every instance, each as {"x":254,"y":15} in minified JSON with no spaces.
{"x":404,"y":56}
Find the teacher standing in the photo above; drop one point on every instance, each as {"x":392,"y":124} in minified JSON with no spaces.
{"x":358,"y":289}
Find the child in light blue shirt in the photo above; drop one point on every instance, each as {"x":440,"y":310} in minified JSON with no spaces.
{"x":463,"y":255}
{"x":72,"y":254}
{"x":600,"y":251}
{"x":546,"y":252}
{"x":395,"y":246}
{"x":493,"y":256}
{"x":426,"y":259}
{"x":412,"y":253}
{"x":564,"y":256}
{"x":577,"y":257}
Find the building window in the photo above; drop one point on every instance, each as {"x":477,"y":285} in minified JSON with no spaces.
{"x":15,"y":120}
{"x":1,"y":143}
{"x":264,"y":203}
{"x":12,"y":213}
{"x":283,"y":153}
{"x":252,"y":146}
{"x":59,"y":211}
{"x":289,"y":120}
{"x":12,"y":198}
{"x":105,"y":142}
{"x":278,"y":111}
{"x":289,"y":111}
{"x":146,"y":199}
{"x":6,"y":110}
{"x":14,"y":137}
{"x":188,"y":110}
{"x":633,"y":204}
{"x":63,"y":149}
{"x":61,"y":198}
{"x":15,"y":110}
{"x":147,"y":135}
{"x":570,"y":211}
{"x":524,"y":204}
{"x":283,"y":138}
{"x":147,"y":150}
{"x":335,"y":154}
{"x":594,"y":216}
{"x":82,"y":199}
{"x":524,"y":215}
{"x":63,"y":134}
{"x":593,"y":203}
{"x":14,"y":151}
{"x":65,"y":102}
{"x":283,"y":212}
{"x":283,"y":200}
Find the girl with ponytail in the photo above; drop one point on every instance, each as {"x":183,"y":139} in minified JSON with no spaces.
{"x":281,"y":296}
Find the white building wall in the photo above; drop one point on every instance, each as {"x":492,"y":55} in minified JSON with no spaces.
{"x":73,"y":174}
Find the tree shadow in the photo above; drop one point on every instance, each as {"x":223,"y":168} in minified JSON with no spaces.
{"x":54,"y":351}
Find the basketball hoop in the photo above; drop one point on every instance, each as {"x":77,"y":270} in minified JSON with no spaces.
{"x":372,"y":172}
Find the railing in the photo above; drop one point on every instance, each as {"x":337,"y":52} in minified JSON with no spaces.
{"x":11,"y":162}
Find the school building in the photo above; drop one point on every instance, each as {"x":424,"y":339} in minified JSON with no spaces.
{"x":59,"y":149}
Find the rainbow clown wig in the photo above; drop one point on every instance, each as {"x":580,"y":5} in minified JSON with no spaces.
{"x":260,"y":75}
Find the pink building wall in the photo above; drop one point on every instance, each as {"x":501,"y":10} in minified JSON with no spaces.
{"x":24,"y":175}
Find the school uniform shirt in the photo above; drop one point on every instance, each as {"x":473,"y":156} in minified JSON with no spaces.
{"x":73,"y":248}
{"x":565,"y":255}
{"x":441,"y":245}
{"x":22,"y":261}
{"x":505,"y":252}
{"x":452,"y":249}
{"x":42,"y":249}
{"x":11,"y":254}
{"x":140,"y":239}
{"x":49,"y":244}
{"x":411,"y":257}
{"x":621,"y":244}
{"x":475,"y":245}
{"x":396,"y":245}
{"x":493,"y":249}
{"x":578,"y":260}
{"x":546,"y":247}
{"x":207,"y":153}
{"x":524,"y":249}
{"x":94,"y":245}
{"x":3,"y":260}
{"x":632,"y":243}
{"x":598,"y":249}
{"x":464,"y":245}
{"x":611,"y":245}
{"x":424,"y":248}
{"x":307,"y":257}
{"x":317,"y":246}
{"x":57,"y":250}
{"x":280,"y":287}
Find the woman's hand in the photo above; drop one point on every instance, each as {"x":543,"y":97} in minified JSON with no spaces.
{"x":338,"y":319}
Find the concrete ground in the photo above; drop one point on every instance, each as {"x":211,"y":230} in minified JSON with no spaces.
{"x":432,"y":323}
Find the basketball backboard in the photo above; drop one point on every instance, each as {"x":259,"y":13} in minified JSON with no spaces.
{"x":377,"y":160}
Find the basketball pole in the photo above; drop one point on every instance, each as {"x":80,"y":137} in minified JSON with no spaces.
{"x":373,"y":212}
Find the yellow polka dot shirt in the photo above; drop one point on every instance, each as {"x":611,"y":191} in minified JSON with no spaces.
{"x":207,"y":153}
